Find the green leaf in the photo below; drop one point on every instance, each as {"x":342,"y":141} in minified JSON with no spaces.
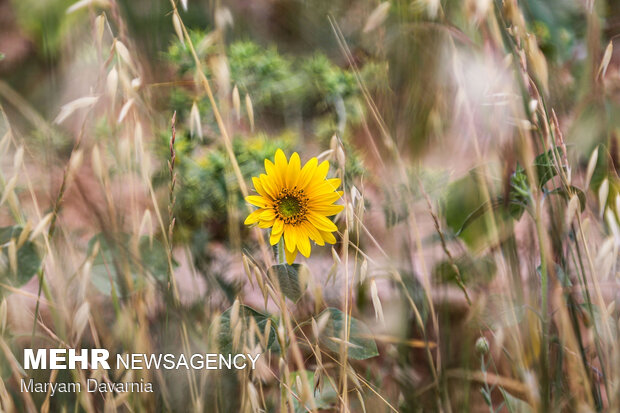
{"x":520,"y":186}
{"x":28,"y":259}
{"x":415,"y":291}
{"x":602,"y":169}
{"x":361,"y":345}
{"x":519,"y":193}
{"x":580,"y":194}
{"x":518,"y":197}
{"x":477,"y":213}
{"x":472,"y":270}
{"x":516,"y":208}
{"x":288,"y":277}
{"x":325,"y":395}
{"x":464,"y":207}
{"x":225,"y":333}
{"x":546,"y":169}
{"x":116,"y":259}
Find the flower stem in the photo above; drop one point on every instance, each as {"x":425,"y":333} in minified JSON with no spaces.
{"x":280,"y":253}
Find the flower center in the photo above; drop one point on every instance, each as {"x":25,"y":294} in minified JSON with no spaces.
{"x":291,"y":206}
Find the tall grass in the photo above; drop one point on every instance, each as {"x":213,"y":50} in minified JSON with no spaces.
{"x":477,"y":257}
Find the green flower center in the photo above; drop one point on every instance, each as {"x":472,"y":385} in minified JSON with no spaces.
{"x":291,"y":206}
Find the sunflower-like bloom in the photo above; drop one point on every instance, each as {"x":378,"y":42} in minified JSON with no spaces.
{"x":295,"y":203}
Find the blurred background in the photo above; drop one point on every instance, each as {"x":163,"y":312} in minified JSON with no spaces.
{"x":476,"y":267}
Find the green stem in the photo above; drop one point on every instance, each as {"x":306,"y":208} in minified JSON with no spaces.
{"x":280,"y":254}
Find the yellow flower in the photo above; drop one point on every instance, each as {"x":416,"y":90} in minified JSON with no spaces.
{"x":295,"y":203}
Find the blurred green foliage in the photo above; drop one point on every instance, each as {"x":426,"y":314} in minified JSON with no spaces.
{"x":122,"y":264}
{"x":288,"y":94}
{"x":208,"y":190}
{"x":286,"y":91}
{"x":362,"y":345}
{"x":27,"y":258}
{"x":225,"y":331}
{"x":557,"y":24}
{"x":471,"y":270}
{"x":46,"y":22}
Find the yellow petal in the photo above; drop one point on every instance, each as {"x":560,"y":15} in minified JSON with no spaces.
{"x":265,"y":224}
{"x":324,"y":199}
{"x":334,"y":182}
{"x":328,"y":237}
{"x":321,"y":172}
{"x":314,"y":233}
{"x":273,"y":174}
{"x":274,"y":238}
{"x":303,"y":244}
{"x":281,"y":165}
{"x":290,"y":256}
{"x":257,"y":200}
{"x":307,"y":172}
{"x":268,"y":215}
{"x":278,"y":226}
{"x":269,"y":185}
{"x":253,"y":217}
{"x":290,"y":237}
{"x":259,"y":188}
{"x":293,"y":169}
{"x":323,"y":187}
{"x":328,"y":210}
{"x":320,"y":222}
{"x":280,"y":158}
